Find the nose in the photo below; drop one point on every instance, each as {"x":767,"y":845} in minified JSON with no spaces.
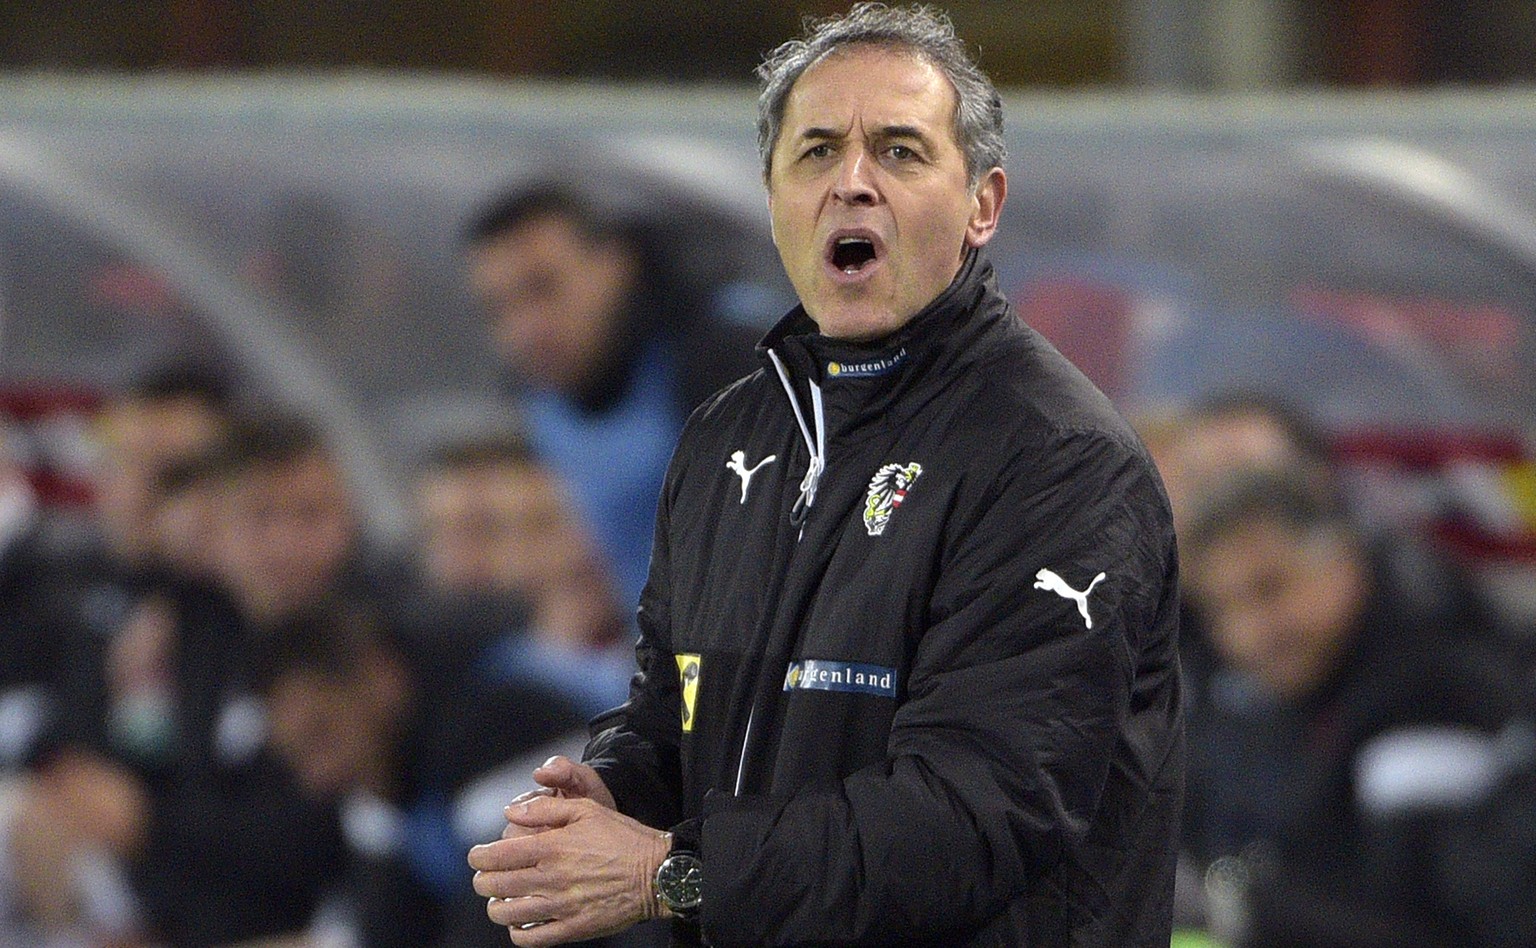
{"x":855,"y":184}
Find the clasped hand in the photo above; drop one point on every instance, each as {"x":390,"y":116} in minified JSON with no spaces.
{"x":568,"y":866}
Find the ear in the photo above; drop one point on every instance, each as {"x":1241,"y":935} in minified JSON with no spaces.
{"x":990,"y":193}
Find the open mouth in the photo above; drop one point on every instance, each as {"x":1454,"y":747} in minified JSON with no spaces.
{"x":852,"y":254}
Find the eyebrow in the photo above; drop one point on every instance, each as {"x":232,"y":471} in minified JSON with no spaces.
{"x":817,"y":133}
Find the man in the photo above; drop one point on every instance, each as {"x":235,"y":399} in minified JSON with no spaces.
{"x":613,"y":343}
{"x":166,"y":415}
{"x":1348,"y":755}
{"x":160,"y":755}
{"x":289,"y":533}
{"x":35,"y":621}
{"x":907,"y":669}
{"x":503,"y":551}
{"x":415,"y":760}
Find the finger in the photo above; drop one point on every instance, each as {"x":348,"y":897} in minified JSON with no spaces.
{"x":524,"y":912}
{"x":506,"y":855}
{"x":514,"y":884}
{"x":556,"y":932}
{"x":546,"y":812}
{"x":532,"y":795}
{"x":513,"y":831}
{"x":561,"y":774}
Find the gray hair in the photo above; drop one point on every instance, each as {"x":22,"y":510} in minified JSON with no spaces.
{"x":922,"y":30}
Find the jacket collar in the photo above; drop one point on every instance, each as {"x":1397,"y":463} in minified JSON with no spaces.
{"x":871,"y":378}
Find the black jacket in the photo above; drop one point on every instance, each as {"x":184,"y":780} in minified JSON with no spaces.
{"x":896,"y":729}
{"x":1345,"y":845}
{"x":466,"y":749}
{"x":234,"y":852}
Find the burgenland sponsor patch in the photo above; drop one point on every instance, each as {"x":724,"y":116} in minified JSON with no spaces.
{"x":868,"y":368}
{"x":818,"y":674}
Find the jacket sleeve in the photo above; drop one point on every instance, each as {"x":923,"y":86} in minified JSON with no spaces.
{"x":999,"y":753}
{"x":635,"y":747}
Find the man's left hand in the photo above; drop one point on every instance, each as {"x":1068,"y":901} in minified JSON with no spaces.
{"x":586,"y":871}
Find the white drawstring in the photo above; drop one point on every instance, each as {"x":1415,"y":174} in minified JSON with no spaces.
{"x":741,"y":765}
{"x":817,"y":446}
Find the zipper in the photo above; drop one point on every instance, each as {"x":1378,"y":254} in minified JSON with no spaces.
{"x":817,"y":447}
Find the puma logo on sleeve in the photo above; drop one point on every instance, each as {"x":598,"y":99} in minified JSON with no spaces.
{"x":1045,"y":579}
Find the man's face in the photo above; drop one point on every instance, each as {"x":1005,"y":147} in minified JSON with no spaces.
{"x":286,"y":533}
{"x":555,"y":297}
{"x":867,"y":189}
{"x":498,"y":528}
{"x":1280,"y":604}
{"x":332,"y":732}
{"x":142,"y":438}
{"x":1202,"y":453}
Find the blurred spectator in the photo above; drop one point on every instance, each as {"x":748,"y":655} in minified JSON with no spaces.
{"x":33,"y":621}
{"x":288,"y":533}
{"x":422,"y":765}
{"x":1242,"y":430}
{"x":614,"y":342}
{"x":33,"y":615}
{"x":500,"y":540}
{"x":1198,"y":447}
{"x":167,"y":415}
{"x":1353,"y":735}
{"x":159,"y":759}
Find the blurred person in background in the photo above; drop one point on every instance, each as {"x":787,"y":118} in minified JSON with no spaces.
{"x":289,"y":532}
{"x":420,"y":765}
{"x":612,"y":343}
{"x":36,"y":585}
{"x":165,"y":415}
{"x":502,"y":545}
{"x":161,"y":752}
{"x":1242,"y":430}
{"x":35,"y":622}
{"x":1355,"y":734}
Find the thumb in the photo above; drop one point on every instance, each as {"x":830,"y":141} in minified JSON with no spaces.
{"x":566,"y":777}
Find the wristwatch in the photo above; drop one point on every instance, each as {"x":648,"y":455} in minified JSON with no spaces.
{"x":680,"y":883}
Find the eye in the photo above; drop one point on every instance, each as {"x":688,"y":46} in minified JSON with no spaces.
{"x":901,"y":152}
{"x":819,"y":150}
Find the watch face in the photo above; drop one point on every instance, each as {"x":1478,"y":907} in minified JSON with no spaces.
{"x":680,"y":881}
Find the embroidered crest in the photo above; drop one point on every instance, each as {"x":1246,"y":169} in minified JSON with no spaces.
{"x":887,"y":489}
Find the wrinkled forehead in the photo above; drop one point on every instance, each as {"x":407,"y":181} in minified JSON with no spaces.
{"x":895,"y":78}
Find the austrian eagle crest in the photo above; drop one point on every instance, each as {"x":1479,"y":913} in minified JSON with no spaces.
{"x":887,"y":489}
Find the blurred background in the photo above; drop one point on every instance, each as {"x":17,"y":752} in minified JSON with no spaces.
{"x":1330,"y":202}
{"x":1329,"y":198}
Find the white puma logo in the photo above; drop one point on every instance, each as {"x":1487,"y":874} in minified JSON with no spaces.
{"x":738,"y":463}
{"x":1045,"y":579}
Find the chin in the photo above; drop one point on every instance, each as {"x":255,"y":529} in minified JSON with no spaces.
{"x":858,"y":326}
